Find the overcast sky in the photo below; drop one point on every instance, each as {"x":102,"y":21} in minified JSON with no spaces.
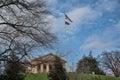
{"x":95,"y":26}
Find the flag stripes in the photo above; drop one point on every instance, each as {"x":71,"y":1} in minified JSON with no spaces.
{"x":67,"y":20}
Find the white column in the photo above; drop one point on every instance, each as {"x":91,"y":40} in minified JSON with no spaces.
{"x":47,"y":67}
{"x":41,"y":68}
{"x":35,"y":69}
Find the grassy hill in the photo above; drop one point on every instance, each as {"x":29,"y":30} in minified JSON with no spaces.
{"x":39,"y":76}
{"x":43,"y":76}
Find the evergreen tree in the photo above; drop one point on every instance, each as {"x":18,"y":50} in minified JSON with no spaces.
{"x":14,"y":69}
{"x":88,"y":65}
{"x":57,"y":72}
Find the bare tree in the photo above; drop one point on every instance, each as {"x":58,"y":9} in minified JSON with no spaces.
{"x":23,"y":25}
{"x":111,"y":60}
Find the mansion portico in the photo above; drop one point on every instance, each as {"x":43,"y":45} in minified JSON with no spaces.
{"x":42,"y":64}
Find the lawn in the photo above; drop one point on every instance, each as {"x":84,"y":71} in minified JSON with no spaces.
{"x":39,"y":76}
{"x":43,"y":76}
{"x":91,"y":77}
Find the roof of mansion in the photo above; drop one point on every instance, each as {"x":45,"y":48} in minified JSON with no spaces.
{"x":46,"y":59}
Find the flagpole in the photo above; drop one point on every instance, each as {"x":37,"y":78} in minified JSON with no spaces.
{"x":64,"y":43}
{"x":64,"y":23}
{"x":66,"y":19}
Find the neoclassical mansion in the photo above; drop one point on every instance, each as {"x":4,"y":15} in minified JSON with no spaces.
{"x":42,"y":64}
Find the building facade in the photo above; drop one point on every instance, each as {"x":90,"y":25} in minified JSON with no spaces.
{"x":43,"y":64}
